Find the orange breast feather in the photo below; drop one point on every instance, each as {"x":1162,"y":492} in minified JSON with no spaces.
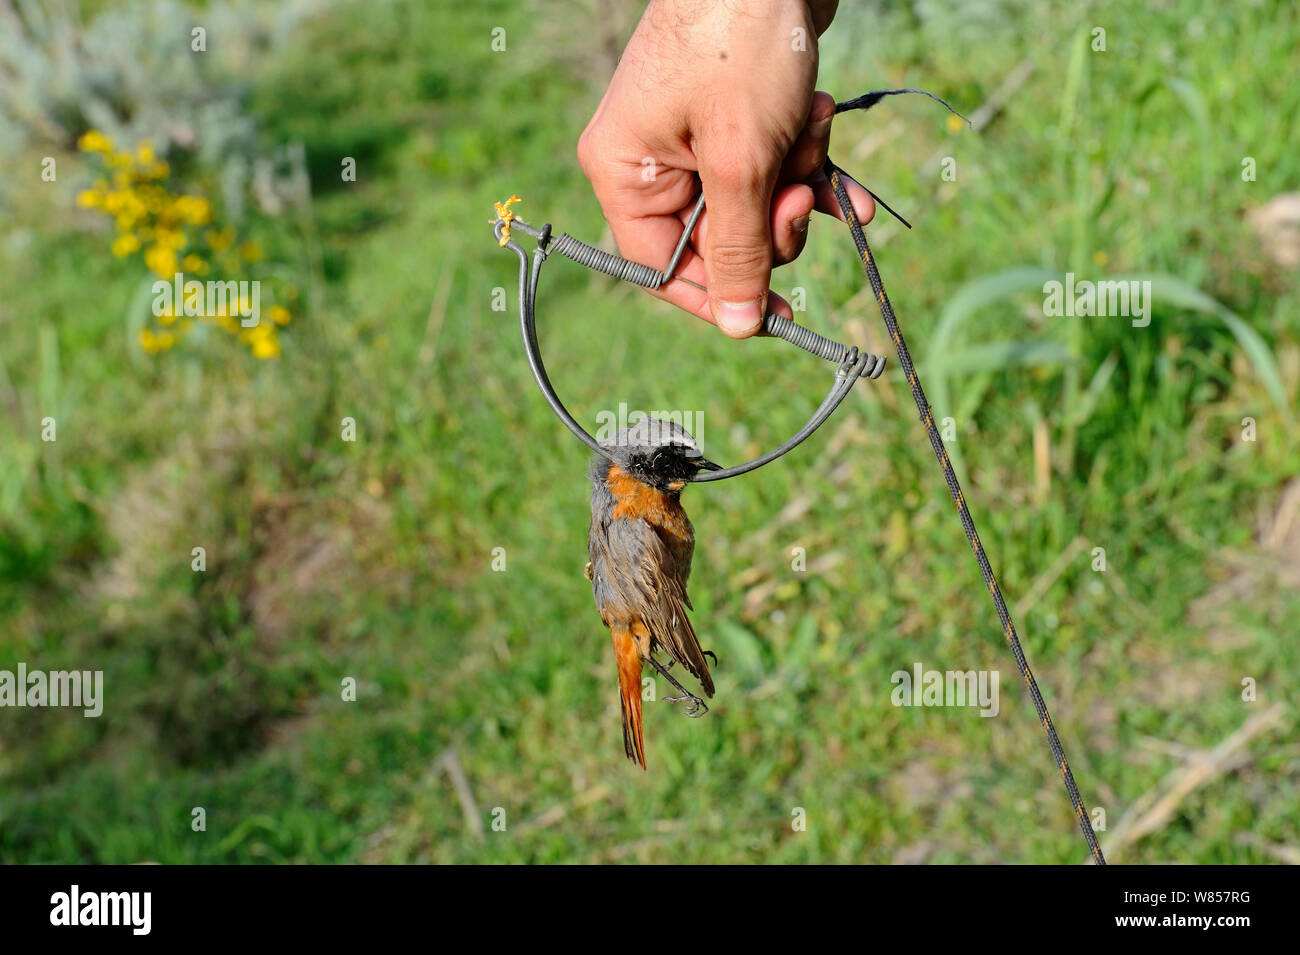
{"x":664,"y":512}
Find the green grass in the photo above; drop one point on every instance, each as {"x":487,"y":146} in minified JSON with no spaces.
{"x":373,"y":559}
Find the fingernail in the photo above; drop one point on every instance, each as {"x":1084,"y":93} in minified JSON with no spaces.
{"x":800,"y":225}
{"x":739,"y":318}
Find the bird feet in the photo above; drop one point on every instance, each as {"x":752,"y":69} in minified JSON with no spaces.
{"x":697,"y":706}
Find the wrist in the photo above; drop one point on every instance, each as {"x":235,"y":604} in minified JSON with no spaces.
{"x":688,"y":13}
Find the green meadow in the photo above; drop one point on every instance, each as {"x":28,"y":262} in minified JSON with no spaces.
{"x":391,"y":653}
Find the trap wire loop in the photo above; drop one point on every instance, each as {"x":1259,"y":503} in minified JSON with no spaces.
{"x":851,"y":365}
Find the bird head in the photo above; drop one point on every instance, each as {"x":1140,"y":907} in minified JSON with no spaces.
{"x":659,"y":453}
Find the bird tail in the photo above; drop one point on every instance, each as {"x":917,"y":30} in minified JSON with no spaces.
{"x":629,"y":685}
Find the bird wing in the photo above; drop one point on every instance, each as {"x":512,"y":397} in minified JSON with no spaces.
{"x":685,"y":554}
{"x":642,"y":572}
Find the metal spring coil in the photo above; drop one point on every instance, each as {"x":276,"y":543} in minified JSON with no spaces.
{"x":610,"y":264}
{"x":774,"y":324}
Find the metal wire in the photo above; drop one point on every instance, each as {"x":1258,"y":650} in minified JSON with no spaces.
{"x":834,"y":174}
{"x":851,"y":364}
{"x":607,"y":262}
{"x":777,"y":326}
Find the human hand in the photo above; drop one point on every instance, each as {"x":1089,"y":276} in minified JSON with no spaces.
{"x":724,"y":90}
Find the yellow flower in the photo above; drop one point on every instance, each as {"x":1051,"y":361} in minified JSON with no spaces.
{"x":89,"y":198}
{"x":955,"y":123}
{"x":161,"y":261}
{"x":155,"y":342}
{"x":93,"y":141}
{"x":261,"y":341}
{"x":279,"y":314}
{"x":144,"y":153}
{"x":125,"y":244}
{"x":192,"y":209}
{"x":220,"y":239}
{"x":192,"y":263}
{"x":251,"y":252}
{"x":266,"y":348}
{"x":170,"y":238}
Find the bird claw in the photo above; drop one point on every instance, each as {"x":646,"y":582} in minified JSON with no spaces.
{"x":698,"y":706}
{"x":695,"y":712}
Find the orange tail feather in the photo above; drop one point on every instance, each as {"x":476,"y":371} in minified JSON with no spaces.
{"x":629,"y":685}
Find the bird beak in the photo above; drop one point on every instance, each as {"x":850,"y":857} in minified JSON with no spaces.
{"x":704,"y":464}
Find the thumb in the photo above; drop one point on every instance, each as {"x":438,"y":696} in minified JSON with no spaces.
{"x":738,"y":247}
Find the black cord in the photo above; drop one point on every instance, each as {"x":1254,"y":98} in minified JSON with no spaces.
{"x":834,"y":174}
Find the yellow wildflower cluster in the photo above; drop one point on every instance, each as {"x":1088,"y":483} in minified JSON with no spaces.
{"x":154,"y":342}
{"x":260,"y":338}
{"x":150,"y":218}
